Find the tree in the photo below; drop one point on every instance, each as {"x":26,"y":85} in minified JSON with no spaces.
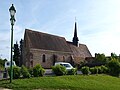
{"x":113,"y":55}
{"x":114,"y":67}
{"x":16,"y":56}
{"x":101,"y":58}
{"x":2,"y":63}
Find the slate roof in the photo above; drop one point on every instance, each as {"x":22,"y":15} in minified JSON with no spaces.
{"x":39,"y":40}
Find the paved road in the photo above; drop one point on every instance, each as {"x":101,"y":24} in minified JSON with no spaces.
{"x":48,"y":72}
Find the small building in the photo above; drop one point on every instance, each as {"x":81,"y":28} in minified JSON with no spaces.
{"x":46,"y":49}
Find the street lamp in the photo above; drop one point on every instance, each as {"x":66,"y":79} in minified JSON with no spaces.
{"x":12,"y":20}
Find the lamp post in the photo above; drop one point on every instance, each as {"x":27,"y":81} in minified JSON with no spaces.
{"x":12,"y":20}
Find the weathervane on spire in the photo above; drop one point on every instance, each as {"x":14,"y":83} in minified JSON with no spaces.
{"x":75,"y":19}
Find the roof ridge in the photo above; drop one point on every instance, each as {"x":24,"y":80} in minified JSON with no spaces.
{"x":43,"y":33}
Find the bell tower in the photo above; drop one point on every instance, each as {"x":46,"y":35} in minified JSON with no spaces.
{"x":75,"y":38}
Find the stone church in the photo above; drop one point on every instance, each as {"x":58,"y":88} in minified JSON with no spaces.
{"x":46,"y":49}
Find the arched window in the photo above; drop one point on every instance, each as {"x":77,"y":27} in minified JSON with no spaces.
{"x":43,"y":58}
{"x":31,"y":63}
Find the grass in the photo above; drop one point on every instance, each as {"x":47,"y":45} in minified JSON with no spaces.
{"x":78,"y":82}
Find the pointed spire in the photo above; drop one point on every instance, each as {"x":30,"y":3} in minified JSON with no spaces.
{"x":75,"y":38}
{"x":75,"y":30}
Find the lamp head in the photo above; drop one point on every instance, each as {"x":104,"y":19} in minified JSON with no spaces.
{"x":12,"y":10}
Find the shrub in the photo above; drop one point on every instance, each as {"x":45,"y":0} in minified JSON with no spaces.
{"x":59,"y":70}
{"x":24,"y":72}
{"x":104,"y":69}
{"x":38,"y":71}
{"x":85,"y":70}
{"x":94,"y":70}
{"x":30,"y":71}
{"x":72,"y":71}
{"x":16,"y":72}
{"x":114,"y":67}
{"x":100,"y":70}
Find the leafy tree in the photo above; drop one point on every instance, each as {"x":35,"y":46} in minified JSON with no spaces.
{"x":2,"y":63}
{"x":114,"y":56}
{"x":16,"y":56}
{"x":100,"y":57}
{"x":114,"y":67}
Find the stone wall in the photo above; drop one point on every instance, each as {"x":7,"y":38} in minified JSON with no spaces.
{"x":36,"y":57}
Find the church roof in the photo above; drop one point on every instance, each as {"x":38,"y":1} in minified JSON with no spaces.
{"x":39,"y":40}
{"x":81,"y":51}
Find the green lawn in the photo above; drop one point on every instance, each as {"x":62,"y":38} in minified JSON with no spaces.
{"x":78,"y":82}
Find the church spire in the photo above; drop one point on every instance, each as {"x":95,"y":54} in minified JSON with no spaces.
{"x":75,"y":38}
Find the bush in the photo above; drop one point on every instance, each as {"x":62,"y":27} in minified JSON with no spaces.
{"x":100,"y":70}
{"x":16,"y":72}
{"x":38,"y":71}
{"x":114,"y":67}
{"x":94,"y":70}
{"x":72,"y":71}
{"x":85,"y":70}
{"x":24,"y":72}
{"x":30,"y":71}
{"x":104,"y":69}
{"x":59,"y":70}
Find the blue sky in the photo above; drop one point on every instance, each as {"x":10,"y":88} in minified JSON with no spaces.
{"x":98,"y":22}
